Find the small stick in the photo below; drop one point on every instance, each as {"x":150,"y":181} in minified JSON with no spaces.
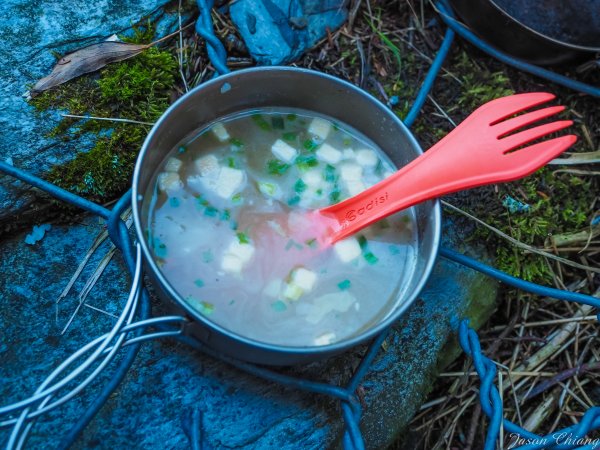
{"x":109,"y":119}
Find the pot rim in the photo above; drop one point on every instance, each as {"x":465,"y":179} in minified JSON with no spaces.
{"x":551,"y":39}
{"x":336,"y":347}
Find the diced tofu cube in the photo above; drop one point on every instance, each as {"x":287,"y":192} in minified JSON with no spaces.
{"x":236,"y":256}
{"x":329,"y":154}
{"x":231,"y":263}
{"x":220,"y":132}
{"x":169,"y":182}
{"x":292,"y":292}
{"x":351,"y":172}
{"x":273,"y":288}
{"x":207,"y":165}
{"x":173,"y":165}
{"x":347,"y":250}
{"x":325,"y":339}
{"x":284,"y":151}
{"x":304,"y":278}
{"x":229,"y":182}
{"x":348,"y":153}
{"x":320,"y":127}
{"x":355,"y":187}
{"x":366,"y":158}
{"x":243,"y":251}
{"x":313,"y":178}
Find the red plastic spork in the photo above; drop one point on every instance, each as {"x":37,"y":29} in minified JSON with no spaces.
{"x":478,"y":151}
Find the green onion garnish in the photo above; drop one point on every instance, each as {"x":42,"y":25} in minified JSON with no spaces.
{"x":310,"y":145}
{"x":290,"y":136}
{"x":277,"y":122}
{"x":199,"y":282}
{"x":300,"y":186}
{"x":242,"y":237}
{"x":370,"y":258}
{"x":305,"y":162}
{"x":278,"y":306}
{"x":343,"y":285}
{"x":261,"y":122}
{"x":276,"y":167}
{"x":211,"y":211}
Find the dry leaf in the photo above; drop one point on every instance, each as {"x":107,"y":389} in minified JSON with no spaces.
{"x":86,"y":60}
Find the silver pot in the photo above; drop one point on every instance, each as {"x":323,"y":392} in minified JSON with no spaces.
{"x":294,"y":88}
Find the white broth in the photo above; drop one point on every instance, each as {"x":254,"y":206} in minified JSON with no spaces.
{"x":220,"y":209}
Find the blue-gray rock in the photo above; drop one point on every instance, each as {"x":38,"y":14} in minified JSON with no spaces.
{"x":30,"y":31}
{"x":278,"y":32}
{"x":168,"y":380}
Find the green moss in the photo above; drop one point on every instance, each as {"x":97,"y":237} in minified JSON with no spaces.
{"x":478,"y":84}
{"x":558,"y":203}
{"x":138,"y":89}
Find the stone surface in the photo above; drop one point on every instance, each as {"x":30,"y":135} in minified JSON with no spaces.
{"x":278,"y":32}
{"x":168,"y":380}
{"x":30,"y":31}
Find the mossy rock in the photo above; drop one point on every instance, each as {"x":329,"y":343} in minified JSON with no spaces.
{"x":31,"y":35}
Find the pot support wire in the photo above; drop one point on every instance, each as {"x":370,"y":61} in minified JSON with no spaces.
{"x":135,"y":325}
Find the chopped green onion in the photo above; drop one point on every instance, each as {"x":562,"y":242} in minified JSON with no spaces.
{"x":211,"y":211}
{"x":343,"y":285}
{"x":261,"y":122}
{"x":236,"y":143}
{"x":242,"y":237}
{"x":305,"y":162}
{"x":174,"y":202}
{"x":160,"y":249}
{"x":276,"y":167}
{"x":294,"y":200}
{"x":300,"y":186}
{"x":312,"y":243}
{"x":310,"y":145}
{"x":199,"y":282}
{"x":362,"y":241}
{"x":292,"y":243}
{"x":334,"y":196}
{"x":182,"y":149}
{"x":371,"y":258}
{"x":291,"y":117}
{"x":347,"y":142}
{"x":335,"y":126}
{"x":226,"y":215}
{"x":237,"y":199}
{"x":206,"y":308}
{"x":290,"y":136}
{"x":267,"y":188}
{"x":231,"y":162}
{"x":278,"y":306}
{"x":329,"y":173}
{"x":277,"y":122}
{"x":319,"y":192}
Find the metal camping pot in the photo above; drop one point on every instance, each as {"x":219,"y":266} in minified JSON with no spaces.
{"x":546,"y":33}
{"x":281,"y":87}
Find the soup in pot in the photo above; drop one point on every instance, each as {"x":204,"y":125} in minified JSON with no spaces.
{"x":224,"y":213}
